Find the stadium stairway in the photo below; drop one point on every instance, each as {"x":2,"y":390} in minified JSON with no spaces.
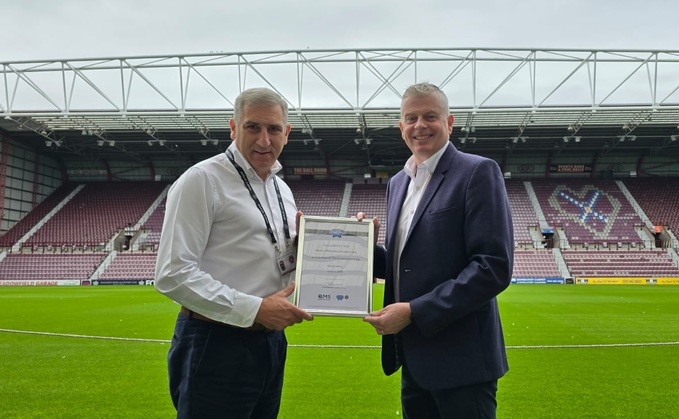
{"x":637,"y":208}
{"x":542,"y":220}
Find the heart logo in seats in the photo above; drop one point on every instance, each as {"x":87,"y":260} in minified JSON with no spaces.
{"x":592,"y":208}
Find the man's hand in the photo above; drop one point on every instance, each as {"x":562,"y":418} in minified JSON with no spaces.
{"x":376,"y":223}
{"x":298,"y":219}
{"x":277,"y":313}
{"x":391,"y":319}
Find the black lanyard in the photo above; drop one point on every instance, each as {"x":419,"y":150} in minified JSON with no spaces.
{"x":246,"y":182}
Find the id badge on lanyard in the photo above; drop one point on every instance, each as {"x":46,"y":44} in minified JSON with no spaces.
{"x":287,"y":262}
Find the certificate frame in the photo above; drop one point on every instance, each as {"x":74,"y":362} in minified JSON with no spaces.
{"x":334,"y":272}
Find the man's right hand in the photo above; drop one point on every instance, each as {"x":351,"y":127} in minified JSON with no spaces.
{"x":277,"y":313}
{"x":376,"y":223}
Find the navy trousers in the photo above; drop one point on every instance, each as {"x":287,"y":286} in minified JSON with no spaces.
{"x":470,"y":402}
{"x":217,"y":371}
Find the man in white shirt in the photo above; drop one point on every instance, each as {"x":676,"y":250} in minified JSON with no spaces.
{"x":226,"y":254}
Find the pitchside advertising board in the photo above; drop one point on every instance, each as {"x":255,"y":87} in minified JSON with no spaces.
{"x":39,"y":283}
{"x":627,"y":281}
{"x":549,"y":280}
{"x":599,"y":281}
{"x":72,"y":282}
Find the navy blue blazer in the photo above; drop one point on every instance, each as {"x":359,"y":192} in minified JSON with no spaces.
{"x":457,"y":258}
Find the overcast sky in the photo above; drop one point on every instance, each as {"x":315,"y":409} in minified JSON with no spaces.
{"x":66,"y":29}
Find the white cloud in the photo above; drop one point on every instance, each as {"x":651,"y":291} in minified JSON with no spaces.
{"x":86,"y":28}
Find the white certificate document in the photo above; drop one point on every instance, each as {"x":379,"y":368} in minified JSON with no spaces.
{"x":334,"y":266}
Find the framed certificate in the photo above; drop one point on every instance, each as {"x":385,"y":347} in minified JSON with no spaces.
{"x":335,"y":266}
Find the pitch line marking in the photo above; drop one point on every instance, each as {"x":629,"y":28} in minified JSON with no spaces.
{"x":164,"y":341}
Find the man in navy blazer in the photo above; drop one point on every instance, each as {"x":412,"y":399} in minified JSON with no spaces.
{"x":449,"y":253}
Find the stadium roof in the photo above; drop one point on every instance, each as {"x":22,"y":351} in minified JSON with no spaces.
{"x":344,"y":104}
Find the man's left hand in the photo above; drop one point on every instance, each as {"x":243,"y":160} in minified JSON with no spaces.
{"x":391,"y":319}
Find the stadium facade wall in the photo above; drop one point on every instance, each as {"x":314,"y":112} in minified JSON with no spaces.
{"x":28,"y":178}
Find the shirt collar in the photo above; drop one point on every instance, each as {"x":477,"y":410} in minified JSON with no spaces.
{"x":429,"y":165}
{"x":246,"y":165}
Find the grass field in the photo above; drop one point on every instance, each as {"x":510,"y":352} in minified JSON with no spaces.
{"x":574,"y":352}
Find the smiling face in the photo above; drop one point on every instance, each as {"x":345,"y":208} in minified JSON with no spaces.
{"x":260,"y":134}
{"x":425,"y":124}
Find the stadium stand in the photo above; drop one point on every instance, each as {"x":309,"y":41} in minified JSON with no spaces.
{"x":371,"y":199}
{"x":126,"y":266}
{"x":620,"y":263}
{"x":38,"y":213}
{"x":152,"y":228}
{"x":39,"y":266}
{"x":590,"y":211}
{"x":659,"y":199}
{"x":322,"y":198}
{"x":523,"y":213}
{"x":96,"y":213}
{"x":596,"y":174}
{"x":535,"y":264}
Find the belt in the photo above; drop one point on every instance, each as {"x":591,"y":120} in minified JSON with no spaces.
{"x":256,"y":327}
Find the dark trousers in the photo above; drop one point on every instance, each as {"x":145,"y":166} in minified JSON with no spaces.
{"x":470,"y":402}
{"x":218,"y":371}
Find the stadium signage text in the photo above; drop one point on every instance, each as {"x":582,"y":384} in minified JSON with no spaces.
{"x":570,"y":168}
{"x":85,"y":172}
{"x":310,"y":171}
{"x":39,"y":283}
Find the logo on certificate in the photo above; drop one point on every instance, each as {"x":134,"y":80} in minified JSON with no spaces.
{"x":337,"y":232}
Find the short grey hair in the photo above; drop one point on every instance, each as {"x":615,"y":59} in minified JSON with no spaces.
{"x":425,"y":89}
{"x":259,"y":96}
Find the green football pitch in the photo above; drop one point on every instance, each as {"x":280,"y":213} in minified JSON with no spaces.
{"x":575,"y":351}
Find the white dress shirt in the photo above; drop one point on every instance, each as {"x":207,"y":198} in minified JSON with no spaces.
{"x":215,"y":255}
{"x":419,"y":179}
